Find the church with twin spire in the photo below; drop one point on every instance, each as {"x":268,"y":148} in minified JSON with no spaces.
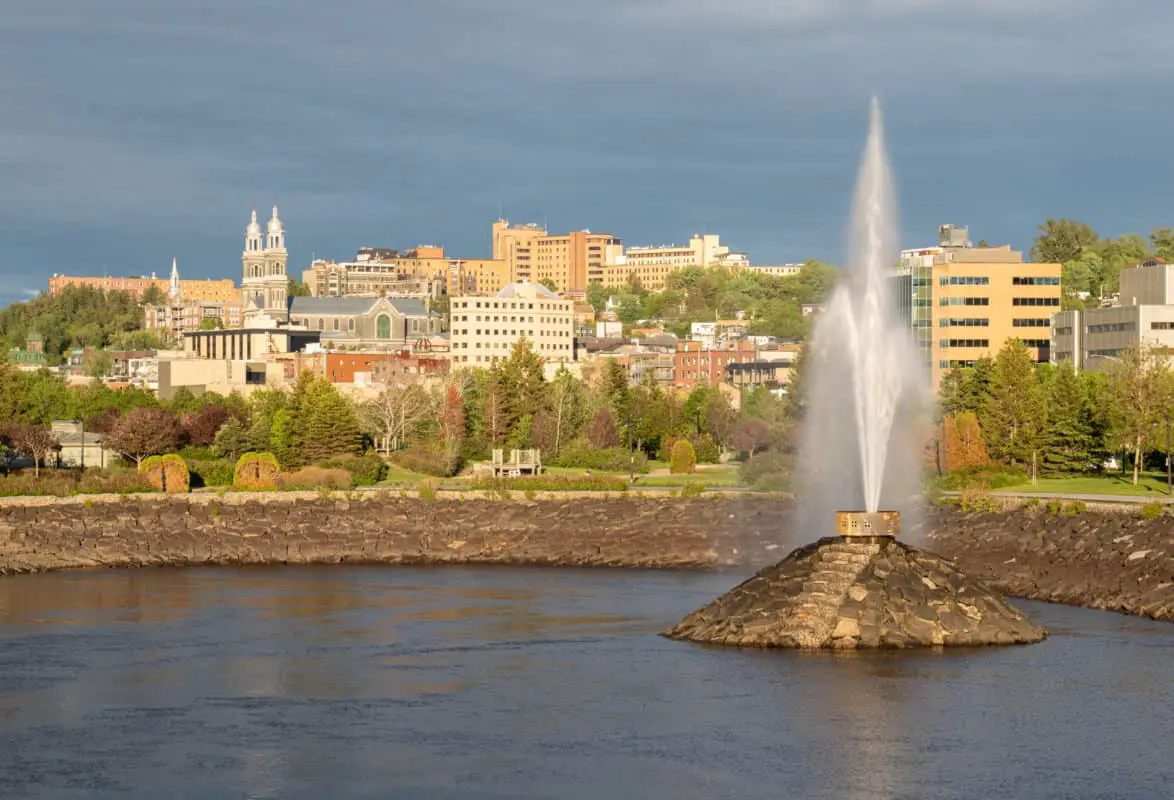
{"x":265,"y":280}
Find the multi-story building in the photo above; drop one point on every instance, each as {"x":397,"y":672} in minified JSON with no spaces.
{"x":220,"y":291}
{"x":695,"y":365}
{"x":377,"y":323}
{"x":775,"y":270}
{"x":569,"y":261}
{"x":1095,"y":338}
{"x":964,"y":303}
{"x":485,"y":329}
{"x":178,"y":314}
{"x":651,"y":267}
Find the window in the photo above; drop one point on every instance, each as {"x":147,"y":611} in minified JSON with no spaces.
{"x":336,"y":323}
{"x":1064,"y":331}
{"x":1035,"y":281}
{"x":1162,"y":326}
{"x":383,"y":327}
{"x":1114,"y":327}
{"x":964,"y":281}
{"x":964,"y":322}
{"x":1037,"y":342}
{"x":1031,"y":323}
{"x":1035,"y":301}
{"x":953,"y":363}
{"x":948,"y":343}
{"x":965,"y":301}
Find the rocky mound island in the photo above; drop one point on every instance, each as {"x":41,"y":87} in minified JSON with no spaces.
{"x":862,"y":589}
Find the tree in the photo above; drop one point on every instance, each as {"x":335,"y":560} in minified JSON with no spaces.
{"x":329,"y":424}
{"x":1062,"y":240}
{"x":98,"y":364}
{"x":452,"y":426}
{"x":144,"y":432}
{"x":964,"y":444}
{"x":601,"y":431}
{"x":1069,"y":437}
{"x":549,"y":284}
{"x":1162,"y":243}
{"x":232,"y":439}
{"x":1013,"y":415}
{"x":297,"y":289}
{"x":566,"y":408}
{"x":35,"y":441}
{"x":202,"y":426}
{"x":1140,"y":391}
{"x":523,"y":390}
{"x":210,"y":324}
{"x":750,"y":435}
{"x":154,"y":296}
{"x":683,"y":459}
{"x":392,"y":414}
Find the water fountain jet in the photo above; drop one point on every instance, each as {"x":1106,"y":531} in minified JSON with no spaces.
{"x":862,"y":588}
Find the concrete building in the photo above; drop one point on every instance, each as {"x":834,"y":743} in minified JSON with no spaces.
{"x":775,"y":270}
{"x":79,"y":447}
{"x":963,"y":303}
{"x":1094,"y":338}
{"x":219,"y":291}
{"x":265,"y":284}
{"x":485,"y":329}
{"x":570,"y":261}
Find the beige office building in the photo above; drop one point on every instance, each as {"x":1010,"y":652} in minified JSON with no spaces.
{"x":485,"y":329}
{"x":569,"y":261}
{"x":965,"y":303}
{"x":1095,"y":338}
{"x":652,"y":266}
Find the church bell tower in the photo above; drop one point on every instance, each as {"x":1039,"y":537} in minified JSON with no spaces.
{"x":265,"y":283}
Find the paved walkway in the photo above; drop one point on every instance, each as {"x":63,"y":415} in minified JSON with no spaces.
{"x":1084,"y":498}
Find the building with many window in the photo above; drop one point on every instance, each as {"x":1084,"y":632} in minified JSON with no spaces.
{"x":485,"y":329}
{"x":1093,"y":339}
{"x":379,"y":323}
{"x":963,"y":303}
{"x":221,"y":291}
{"x":569,"y":261}
{"x":696,"y":365}
{"x":178,"y":314}
{"x":651,"y":266}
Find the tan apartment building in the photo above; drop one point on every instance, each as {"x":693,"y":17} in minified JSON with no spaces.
{"x":485,"y":329}
{"x":1095,"y":338}
{"x":477,"y":276}
{"x":218,"y":291}
{"x":651,"y":266}
{"x":569,"y":261}
{"x":969,"y":301}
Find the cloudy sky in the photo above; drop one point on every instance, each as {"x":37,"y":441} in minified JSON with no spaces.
{"x":132,"y":130}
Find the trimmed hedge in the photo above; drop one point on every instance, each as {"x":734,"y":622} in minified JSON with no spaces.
{"x":684,"y":459}
{"x":255,"y":471}
{"x":167,"y":473}
{"x":216,"y":472}
{"x":580,"y":455}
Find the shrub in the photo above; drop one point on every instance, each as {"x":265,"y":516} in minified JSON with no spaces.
{"x":1072,"y":509}
{"x":684,"y":458}
{"x":665,"y":453}
{"x":1151,"y":511}
{"x":366,"y":470}
{"x":427,"y":490}
{"x":1055,"y":507}
{"x":63,"y":483}
{"x":705,"y":449}
{"x":990,"y":477}
{"x":256,"y":471}
{"x":430,"y":460}
{"x":315,"y":478}
{"x":976,"y":498}
{"x":216,"y":472}
{"x":693,"y":490}
{"x":578,"y":454}
{"x":193,"y":453}
{"x":552,"y":483}
{"x":769,"y":471}
{"x":167,"y":473}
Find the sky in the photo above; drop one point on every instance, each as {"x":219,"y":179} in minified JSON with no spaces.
{"x":132,"y":131}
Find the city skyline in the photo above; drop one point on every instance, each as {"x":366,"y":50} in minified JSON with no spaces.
{"x":136,"y":135}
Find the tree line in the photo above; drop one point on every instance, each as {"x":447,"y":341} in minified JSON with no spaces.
{"x":1046,"y":418}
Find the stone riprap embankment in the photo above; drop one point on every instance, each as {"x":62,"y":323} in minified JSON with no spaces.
{"x":1111,"y":560}
{"x":281,"y":528}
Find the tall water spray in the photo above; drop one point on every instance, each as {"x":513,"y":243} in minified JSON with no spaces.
{"x":868,"y":385}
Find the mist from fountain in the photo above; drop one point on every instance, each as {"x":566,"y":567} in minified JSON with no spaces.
{"x":868,"y":389}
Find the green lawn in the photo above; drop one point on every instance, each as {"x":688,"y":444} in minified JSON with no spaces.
{"x":1151,"y":484}
{"x":710,"y":476}
{"x":397,"y":476}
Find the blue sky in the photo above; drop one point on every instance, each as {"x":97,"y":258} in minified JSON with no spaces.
{"x":134,"y":130}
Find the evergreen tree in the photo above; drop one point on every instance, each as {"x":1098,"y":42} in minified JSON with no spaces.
{"x":1014,"y":415}
{"x":976,"y":385}
{"x":329,"y":426}
{"x":1069,"y":441}
{"x":523,"y":391}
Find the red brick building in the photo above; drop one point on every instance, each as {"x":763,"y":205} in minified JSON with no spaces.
{"x":694,"y":366}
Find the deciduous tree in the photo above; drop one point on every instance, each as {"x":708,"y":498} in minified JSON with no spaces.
{"x":144,"y":432}
{"x":1140,"y":392}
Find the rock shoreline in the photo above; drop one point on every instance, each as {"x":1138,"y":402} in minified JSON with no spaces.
{"x":1112,"y":560}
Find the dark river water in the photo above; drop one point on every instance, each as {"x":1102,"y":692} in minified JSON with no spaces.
{"x":493,"y":682}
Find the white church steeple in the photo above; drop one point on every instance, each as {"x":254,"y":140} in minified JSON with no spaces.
{"x":174,"y":292}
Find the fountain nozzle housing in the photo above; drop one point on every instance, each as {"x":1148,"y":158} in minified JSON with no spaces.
{"x":865,"y":524}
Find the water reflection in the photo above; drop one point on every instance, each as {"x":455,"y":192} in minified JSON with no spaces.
{"x":500,"y":682}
